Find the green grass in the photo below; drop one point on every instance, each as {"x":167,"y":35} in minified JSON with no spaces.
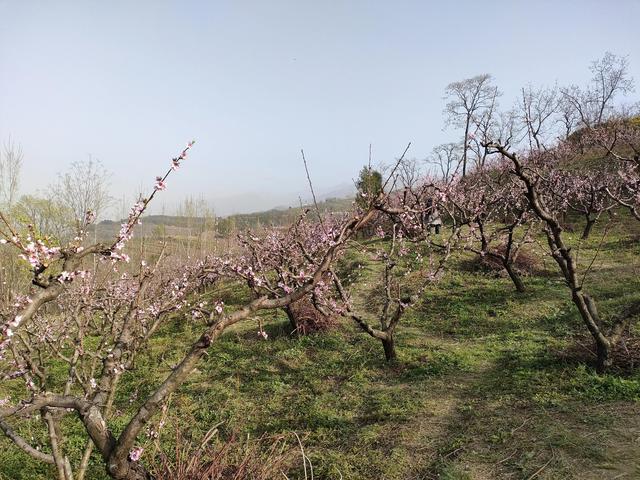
{"x":483,"y":387}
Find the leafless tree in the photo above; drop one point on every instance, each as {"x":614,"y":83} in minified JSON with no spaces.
{"x":567,"y":117}
{"x":610,"y":78}
{"x":409,"y":172}
{"x":10,"y":165}
{"x":537,"y":106}
{"x":468,"y":101}
{"x":491,"y":124}
{"x":83,"y":188}
{"x":446,"y":158}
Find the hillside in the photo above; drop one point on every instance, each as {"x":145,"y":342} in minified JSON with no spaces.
{"x":489,"y":384}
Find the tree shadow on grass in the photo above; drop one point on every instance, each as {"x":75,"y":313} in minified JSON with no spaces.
{"x":524,"y":413}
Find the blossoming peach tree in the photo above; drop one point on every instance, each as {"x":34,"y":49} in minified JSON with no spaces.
{"x":551,"y":186}
{"x":92,"y":323}
{"x":410,"y":258}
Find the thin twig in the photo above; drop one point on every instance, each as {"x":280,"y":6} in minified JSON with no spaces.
{"x":537,"y":472}
{"x":522,"y":425}
{"x":396,"y":166}
{"x":315,"y":203}
{"x":453,"y":452}
{"x":507,"y":458}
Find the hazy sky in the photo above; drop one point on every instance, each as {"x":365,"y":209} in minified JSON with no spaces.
{"x":130,"y":82}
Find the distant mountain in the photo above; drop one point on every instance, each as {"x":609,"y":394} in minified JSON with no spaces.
{"x":340,"y":191}
{"x":276,"y":216}
{"x":251,"y":202}
{"x":248,"y":203}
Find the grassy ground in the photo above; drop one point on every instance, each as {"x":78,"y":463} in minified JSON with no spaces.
{"x":490,"y":384}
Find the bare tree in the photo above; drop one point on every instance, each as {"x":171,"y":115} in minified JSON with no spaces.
{"x":537,"y":106}
{"x":83,"y":188}
{"x":199,"y":218}
{"x":409,"y":172}
{"x":484,"y":126}
{"x":446,"y":157}
{"x":610,"y":78}
{"x":468,"y":100}
{"x":568,"y":118}
{"x":10,"y":165}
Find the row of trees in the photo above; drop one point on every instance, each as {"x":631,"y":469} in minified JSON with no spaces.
{"x":558,"y":153}
{"x":95,"y":317}
{"x":540,"y":117}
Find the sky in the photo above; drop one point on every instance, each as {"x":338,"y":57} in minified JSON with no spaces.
{"x":129,"y":83}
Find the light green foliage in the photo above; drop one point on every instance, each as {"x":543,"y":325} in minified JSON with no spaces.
{"x":48,"y":217}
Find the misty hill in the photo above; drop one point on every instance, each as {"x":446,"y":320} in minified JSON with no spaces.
{"x":223,"y":225}
{"x":251,"y":202}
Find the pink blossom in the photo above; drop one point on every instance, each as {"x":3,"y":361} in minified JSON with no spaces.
{"x":65,"y":277}
{"x":135,"y":453}
{"x":160,"y":185}
{"x":219,"y":307}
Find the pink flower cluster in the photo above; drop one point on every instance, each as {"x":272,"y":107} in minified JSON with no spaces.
{"x":135,"y":454}
{"x":219,"y":307}
{"x":36,"y":252}
{"x":160,"y":185}
{"x":262,"y":334}
{"x":126,"y":229}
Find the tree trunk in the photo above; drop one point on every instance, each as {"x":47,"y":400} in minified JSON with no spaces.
{"x":465,"y":146}
{"x":292,"y":319}
{"x":604,"y":356}
{"x":517,"y":281}
{"x":587,"y":228}
{"x":389,"y":348}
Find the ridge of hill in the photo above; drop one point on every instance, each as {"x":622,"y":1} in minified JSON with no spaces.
{"x":275,"y":216}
